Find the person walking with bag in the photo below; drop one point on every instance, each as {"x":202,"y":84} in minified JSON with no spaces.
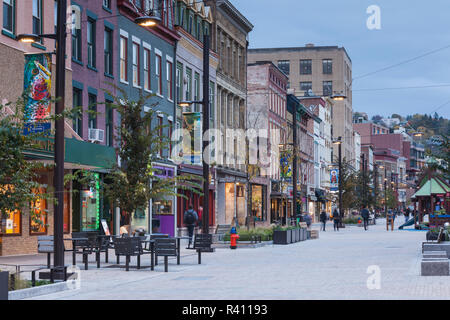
{"x":190,"y":218}
{"x":365,"y":215}
{"x":336,"y":219}
{"x":323,"y":219}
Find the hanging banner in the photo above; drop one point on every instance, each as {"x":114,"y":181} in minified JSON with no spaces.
{"x":192,"y":138}
{"x":285,"y":165}
{"x":37,"y":84}
{"x":334,"y":179}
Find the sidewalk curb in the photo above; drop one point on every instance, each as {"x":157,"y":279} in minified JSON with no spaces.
{"x":37,"y":291}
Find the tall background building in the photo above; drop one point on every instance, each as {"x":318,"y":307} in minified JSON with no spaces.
{"x":324,"y":70}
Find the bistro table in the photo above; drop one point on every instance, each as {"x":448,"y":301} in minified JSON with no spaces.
{"x":74,"y":249}
{"x":179,"y":246}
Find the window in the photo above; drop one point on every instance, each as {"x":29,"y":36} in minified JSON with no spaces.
{"x":190,"y":23}
{"x":181,"y":16}
{"x":55,"y":15}
{"x":160,"y":125}
{"x":123,"y":59}
{"x":38,"y":214}
{"x":169,"y":81}
{"x":305,"y":66}
{"x":78,"y":118}
{"x":327,"y":65}
{"x":158,"y":74}
{"x":37,"y":17}
{"x":211,"y":100}
{"x":91,"y":42}
{"x":109,"y":125}
{"x":196,"y":91}
{"x":284,"y":66}
{"x":136,"y":66}
{"x":11,"y":223}
{"x":9,"y":15}
{"x":92,"y":111}
{"x":76,"y":39}
{"x":147,"y":74}
{"x":148,"y":5}
{"x":305,"y":86}
{"x":108,"y":51}
{"x":327,"y":88}
{"x":179,"y":79}
{"x":170,"y":137}
{"x":189,"y":84}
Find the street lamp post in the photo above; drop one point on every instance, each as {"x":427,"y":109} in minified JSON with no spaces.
{"x":339,"y":143}
{"x":205,"y":128}
{"x":58,"y":177}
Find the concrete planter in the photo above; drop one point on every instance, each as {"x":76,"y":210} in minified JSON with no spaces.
{"x":4,"y":277}
{"x":297,"y":234}
{"x":443,"y":246}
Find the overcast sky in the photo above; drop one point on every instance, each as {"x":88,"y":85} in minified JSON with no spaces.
{"x":408,"y":29}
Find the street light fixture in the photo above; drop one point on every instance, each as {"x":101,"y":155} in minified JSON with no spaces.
{"x":338,"y":97}
{"x":58,"y":177}
{"x":147,"y":21}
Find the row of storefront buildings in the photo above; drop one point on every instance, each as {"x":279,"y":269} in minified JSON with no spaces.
{"x":107,"y":52}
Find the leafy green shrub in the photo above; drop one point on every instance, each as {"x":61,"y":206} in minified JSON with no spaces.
{"x":351,"y":220}
{"x":246,"y":235}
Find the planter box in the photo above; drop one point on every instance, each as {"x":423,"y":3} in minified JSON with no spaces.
{"x":282,"y":237}
{"x":4,"y":276}
{"x":297,"y":232}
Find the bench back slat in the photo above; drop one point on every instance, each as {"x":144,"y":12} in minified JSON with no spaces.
{"x":165,"y":247}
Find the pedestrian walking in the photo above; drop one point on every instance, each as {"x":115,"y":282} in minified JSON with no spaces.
{"x":365,"y":215}
{"x":308,"y":220}
{"x":336,"y":219}
{"x":190,"y":218}
{"x":323,"y":219}
{"x":407,"y":215}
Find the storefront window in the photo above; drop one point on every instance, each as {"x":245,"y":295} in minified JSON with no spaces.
{"x":10,"y":223}
{"x":162,"y":207}
{"x":139,"y":220}
{"x":90,"y":207}
{"x":38,"y":215}
{"x":258,"y":203}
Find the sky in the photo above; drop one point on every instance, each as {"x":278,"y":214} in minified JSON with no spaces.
{"x":409,"y":29}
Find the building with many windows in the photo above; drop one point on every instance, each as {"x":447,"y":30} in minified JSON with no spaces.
{"x":325,"y":70}
{"x":193,"y":21}
{"x":145,"y":63}
{"x":266,"y":111}
{"x":230,"y":40}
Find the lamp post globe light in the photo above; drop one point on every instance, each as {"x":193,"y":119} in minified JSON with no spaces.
{"x":58,"y":177}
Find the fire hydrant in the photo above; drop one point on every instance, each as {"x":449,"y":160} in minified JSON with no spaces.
{"x":233,"y":238}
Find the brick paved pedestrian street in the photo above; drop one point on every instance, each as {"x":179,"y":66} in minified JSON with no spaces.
{"x":331,"y":267}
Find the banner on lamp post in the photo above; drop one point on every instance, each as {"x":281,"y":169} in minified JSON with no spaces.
{"x":192,"y":142}
{"x":334,"y":179}
{"x":37,"y":85}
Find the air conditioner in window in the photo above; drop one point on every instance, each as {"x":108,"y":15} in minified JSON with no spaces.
{"x":96,"y":135}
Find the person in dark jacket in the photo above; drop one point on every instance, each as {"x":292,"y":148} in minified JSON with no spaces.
{"x":323,"y":219}
{"x":365,"y":215}
{"x":190,"y":218}
{"x":336,"y":219}
{"x":308,"y":220}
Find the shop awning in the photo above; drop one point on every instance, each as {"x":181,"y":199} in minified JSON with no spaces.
{"x":78,"y":154}
{"x":432,"y":186}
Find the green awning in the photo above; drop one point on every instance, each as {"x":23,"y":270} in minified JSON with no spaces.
{"x":432,"y":187}
{"x":77,"y":152}
{"x":89,"y":154}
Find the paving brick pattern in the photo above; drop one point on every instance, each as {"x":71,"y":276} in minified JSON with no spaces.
{"x":331,"y":267}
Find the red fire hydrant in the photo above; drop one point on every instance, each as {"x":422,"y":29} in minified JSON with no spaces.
{"x":233,"y":238}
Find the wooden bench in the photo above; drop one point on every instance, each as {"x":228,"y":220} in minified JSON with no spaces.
{"x":166,"y":247}
{"x":202,"y":243}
